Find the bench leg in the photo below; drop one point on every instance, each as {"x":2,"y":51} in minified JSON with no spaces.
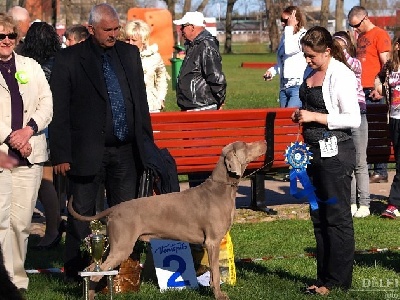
{"x":258,"y":195}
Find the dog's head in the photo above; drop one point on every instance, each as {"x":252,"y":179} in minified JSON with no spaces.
{"x":239,"y":154}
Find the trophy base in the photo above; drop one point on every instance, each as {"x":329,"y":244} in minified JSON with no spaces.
{"x":86,"y":278}
{"x":128,"y":278}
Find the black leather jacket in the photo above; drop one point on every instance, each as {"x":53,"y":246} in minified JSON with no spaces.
{"x":201,"y":81}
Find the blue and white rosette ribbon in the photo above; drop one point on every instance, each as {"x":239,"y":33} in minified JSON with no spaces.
{"x":298,"y":157}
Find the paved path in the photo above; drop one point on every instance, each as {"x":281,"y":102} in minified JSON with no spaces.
{"x":277,"y":192}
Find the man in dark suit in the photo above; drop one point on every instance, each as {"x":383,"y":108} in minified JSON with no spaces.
{"x":85,"y":135}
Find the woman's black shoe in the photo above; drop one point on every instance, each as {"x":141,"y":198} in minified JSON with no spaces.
{"x":53,"y":244}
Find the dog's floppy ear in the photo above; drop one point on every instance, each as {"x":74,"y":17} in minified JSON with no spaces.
{"x":232,"y":163}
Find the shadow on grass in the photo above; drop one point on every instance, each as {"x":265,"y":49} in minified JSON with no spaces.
{"x":241,"y":267}
{"x":370,"y":258}
{"x":389,"y":260}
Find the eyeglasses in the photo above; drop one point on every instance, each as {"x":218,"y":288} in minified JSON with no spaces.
{"x":183,"y":26}
{"x":284,"y":20}
{"x":11,"y":36}
{"x":359,"y":24}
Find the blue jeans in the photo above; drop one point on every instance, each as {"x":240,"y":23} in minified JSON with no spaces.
{"x":289,"y":97}
{"x":360,"y":179}
{"x":381,"y":168}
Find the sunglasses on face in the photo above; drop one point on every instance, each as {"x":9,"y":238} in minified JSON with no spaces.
{"x":183,"y":26}
{"x":359,"y":24}
{"x":11,"y":36}
{"x":284,"y":21}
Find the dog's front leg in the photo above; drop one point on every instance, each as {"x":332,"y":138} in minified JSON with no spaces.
{"x":92,"y":294}
{"x":215,"y":278}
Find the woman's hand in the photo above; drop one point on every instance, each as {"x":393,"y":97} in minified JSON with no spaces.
{"x":19,"y":138}
{"x":305,"y":116}
{"x":292,"y":21}
{"x":267,"y":76}
{"x":26,"y":150}
{"x":295,"y":116}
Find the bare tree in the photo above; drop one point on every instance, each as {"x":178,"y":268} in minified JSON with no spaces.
{"x":339,"y":15}
{"x":324,"y":13}
{"x":273,"y":11}
{"x":228,"y":26}
{"x":187,"y":6}
{"x":171,"y":8}
{"x":202,"y":5}
{"x":9,"y":4}
{"x":69,"y":17}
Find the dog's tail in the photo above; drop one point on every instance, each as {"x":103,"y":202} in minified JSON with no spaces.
{"x":79,"y":217}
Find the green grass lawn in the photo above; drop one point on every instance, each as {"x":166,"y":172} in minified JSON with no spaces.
{"x":275,"y":278}
{"x":282,"y":275}
{"x":246,"y":87}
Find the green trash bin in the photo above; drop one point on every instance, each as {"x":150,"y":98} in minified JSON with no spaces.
{"x":176,"y":67}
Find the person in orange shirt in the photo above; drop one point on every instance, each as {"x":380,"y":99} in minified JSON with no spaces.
{"x":373,"y":47}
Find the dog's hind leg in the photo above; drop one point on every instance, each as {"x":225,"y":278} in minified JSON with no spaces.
{"x":215,"y":278}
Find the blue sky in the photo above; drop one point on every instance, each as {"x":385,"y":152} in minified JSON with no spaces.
{"x":348,"y":4}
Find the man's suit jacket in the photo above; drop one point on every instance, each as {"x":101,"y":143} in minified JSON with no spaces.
{"x":77,"y":132}
{"x":38,"y":105}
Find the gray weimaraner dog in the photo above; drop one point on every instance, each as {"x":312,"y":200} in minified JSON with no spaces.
{"x":200,"y":215}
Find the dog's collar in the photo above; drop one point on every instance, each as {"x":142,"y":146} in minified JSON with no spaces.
{"x":232,"y":184}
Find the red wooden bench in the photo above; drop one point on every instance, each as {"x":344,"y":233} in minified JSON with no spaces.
{"x":195,"y":139}
{"x":380,"y":148}
{"x":257,"y":65}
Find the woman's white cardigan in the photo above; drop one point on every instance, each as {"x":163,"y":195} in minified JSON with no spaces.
{"x":293,"y":63}
{"x":339,"y":90}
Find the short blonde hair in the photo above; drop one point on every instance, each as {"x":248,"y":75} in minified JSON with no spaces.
{"x":138,"y":27}
{"x":8,"y":22}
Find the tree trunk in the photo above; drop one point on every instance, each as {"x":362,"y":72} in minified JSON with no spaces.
{"x":22,"y":3}
{"x":9,"y":4}
{"x":228,"y":26}
{"x":339,"y":14}
{"x":273,"y":11}
{"x":171,"y":8}
{"x":202,"y":5}
{"x":187,"y":6}
{"x":324,"y":13}
{"x":54,"y":13}
{"x":68,"y":13}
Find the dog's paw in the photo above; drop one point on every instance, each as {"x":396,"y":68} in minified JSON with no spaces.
{"x":221,"y":296}
{"x":92,"y":294}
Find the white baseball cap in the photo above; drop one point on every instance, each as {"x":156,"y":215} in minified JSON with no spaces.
{"x":192,"y":17}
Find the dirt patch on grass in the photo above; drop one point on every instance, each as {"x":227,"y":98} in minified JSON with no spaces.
{"x":293,"y":211}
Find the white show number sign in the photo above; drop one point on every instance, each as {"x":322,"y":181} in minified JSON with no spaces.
{"x":174,"y":264}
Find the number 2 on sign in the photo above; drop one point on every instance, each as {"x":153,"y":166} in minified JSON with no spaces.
{"x":172,"y":281}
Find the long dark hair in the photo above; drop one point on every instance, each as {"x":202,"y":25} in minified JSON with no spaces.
{"x":41,"y":42}
{"x":319,"y":39}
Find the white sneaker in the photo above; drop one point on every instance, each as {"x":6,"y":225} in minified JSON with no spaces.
{"x":353,"y":209}
{"x":362,"y":212}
